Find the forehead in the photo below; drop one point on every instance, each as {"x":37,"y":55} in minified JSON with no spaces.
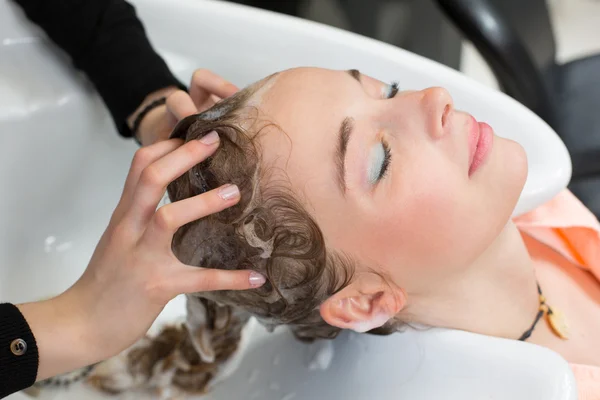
{"x":303,"y":93}
{"x":306,"y":107}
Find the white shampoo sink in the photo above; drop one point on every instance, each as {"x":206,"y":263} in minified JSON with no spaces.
{"x":63,"y":168}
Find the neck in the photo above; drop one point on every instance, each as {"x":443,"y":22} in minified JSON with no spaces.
{"x":497,"y":297}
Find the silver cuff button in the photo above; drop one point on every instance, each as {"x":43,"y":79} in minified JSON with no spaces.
{"x":18,"y":347}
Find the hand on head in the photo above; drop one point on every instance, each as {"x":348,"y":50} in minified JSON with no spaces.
{"x":205,"y":90}
{"x":133,"y":272}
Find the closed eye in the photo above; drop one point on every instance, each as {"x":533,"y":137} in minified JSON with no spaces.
{"x":382,"y":152}
{"x":382,"y":157}
{"x":391,"y":90}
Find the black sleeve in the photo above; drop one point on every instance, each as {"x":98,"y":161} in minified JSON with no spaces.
{"x":18,"y":351}
{"x":105,"y":40}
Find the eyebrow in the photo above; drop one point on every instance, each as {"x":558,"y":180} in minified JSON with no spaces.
{"x":342,"y":148}
{"x":343,"y":138}
{"x":354,"y":73}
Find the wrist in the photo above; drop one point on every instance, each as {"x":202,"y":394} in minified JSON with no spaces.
{"x":60,"y":334}
{"x":142,"y":133}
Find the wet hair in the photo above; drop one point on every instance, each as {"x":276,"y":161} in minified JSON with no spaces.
{"x":268,"y":231}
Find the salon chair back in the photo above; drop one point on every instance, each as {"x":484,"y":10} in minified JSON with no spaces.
{"x":517,"y":40}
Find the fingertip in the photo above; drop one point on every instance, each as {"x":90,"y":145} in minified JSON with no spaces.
{"x":256,"y":279}
{"x":229,"y":192}
{"x":231,"y":89}
{"x":196,"y":280}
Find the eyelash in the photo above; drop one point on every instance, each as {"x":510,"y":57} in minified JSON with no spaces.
{"x":392,"y":91}
{"x":387,"y":159}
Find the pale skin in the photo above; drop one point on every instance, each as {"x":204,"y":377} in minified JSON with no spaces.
{"x":430,"y":250}
{"x":133,"y":273}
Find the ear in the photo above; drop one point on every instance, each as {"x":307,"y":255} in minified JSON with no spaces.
{"x":363,"y":305}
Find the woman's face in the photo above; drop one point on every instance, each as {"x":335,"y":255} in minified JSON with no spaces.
{"x":394,"y":180}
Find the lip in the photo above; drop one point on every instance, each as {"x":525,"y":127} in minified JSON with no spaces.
{"x":481,"y":138}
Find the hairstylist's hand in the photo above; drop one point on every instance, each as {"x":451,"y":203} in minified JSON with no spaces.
{"x":133,"y":273}
{"x":206,"y":89}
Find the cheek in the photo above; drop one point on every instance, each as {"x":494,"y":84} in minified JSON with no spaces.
{"x":426,"y":223}
{"x":437,"y":223}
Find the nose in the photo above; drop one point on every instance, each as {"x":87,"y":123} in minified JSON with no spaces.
{"x":438,"y":105}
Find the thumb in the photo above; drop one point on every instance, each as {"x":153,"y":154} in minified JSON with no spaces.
{"x":195,"y":279}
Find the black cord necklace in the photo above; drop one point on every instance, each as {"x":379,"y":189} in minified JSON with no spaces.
{"x":555,"y":319}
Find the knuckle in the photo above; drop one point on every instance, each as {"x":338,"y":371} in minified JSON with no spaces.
{"x":164,"y":219}
{"x":142,"y":157}
{"x":151,"y":176}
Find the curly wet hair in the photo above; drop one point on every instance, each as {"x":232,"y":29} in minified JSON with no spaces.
{"x":268,"y":231}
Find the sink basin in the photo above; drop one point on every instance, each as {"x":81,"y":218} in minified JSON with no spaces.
{"x":63,"y":167}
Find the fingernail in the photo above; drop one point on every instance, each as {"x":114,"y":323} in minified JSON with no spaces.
{"x":210,"y":138}
{"x":229,"y":192}
{"x":256,"y":279}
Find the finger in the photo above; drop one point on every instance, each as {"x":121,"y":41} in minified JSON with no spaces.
{"x":171,"y":217}
{"x":154,"y":178}
{"x":206,"y":83}
{"x":144,"y":157}
{"x":210,"y":101}
{"x":195,"y":279}
{"x":180,"y":105}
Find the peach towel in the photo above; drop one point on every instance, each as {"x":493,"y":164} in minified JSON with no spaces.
{"x":567,"y":226}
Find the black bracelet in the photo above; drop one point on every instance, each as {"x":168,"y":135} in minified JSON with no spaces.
{"x":142,"y":114}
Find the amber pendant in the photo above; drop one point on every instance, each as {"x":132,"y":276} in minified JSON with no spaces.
{"x":558,"y":323}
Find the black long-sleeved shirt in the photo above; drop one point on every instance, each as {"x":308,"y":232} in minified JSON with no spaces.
{"x":105,"y":40}
{"x":18,"y":351}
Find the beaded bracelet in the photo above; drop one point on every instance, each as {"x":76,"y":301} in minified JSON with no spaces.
{"x":142,"y":114}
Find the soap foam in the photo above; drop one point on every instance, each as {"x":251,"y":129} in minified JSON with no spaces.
{"x":375,"y":322}
{"x":323,"y":355}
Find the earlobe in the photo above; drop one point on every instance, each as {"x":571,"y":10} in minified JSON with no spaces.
{"x":361,"y":312}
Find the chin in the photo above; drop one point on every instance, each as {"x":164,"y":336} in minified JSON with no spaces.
{"x":505,"y":177}
{"x":515,"y":170}
{"x":519,"y":159}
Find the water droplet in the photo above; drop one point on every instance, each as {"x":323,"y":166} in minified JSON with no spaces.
{"x":289,"y":396}
{"x":276,"y":359}
{"x":255,"y":395}
{"x":274,"y":386}
{"x":48,"y":243}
